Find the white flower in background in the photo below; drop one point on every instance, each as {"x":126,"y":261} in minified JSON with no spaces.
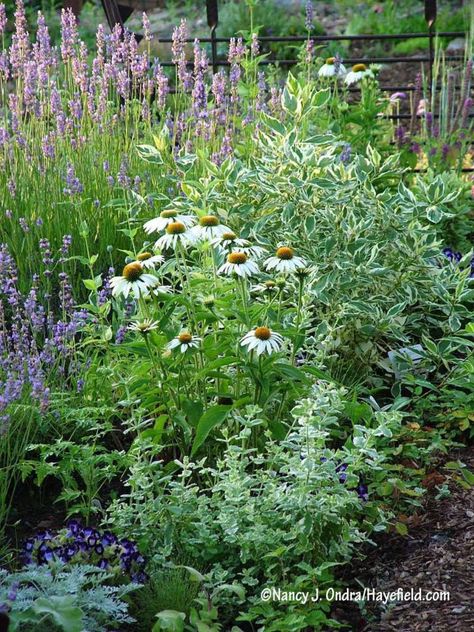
{"x":160,"y":289}
{"x":148,"y":260}
{"x":209,"y":228}
{"x":266,"y":287}
{"x":175,"y":233}
{"x":133,"y":280}
{"x":185,"y":341}
{"x":421,"y":109}
{"x":238,"y":263}
{"x":358,"y":72}
{"x":332,"y":69}
{"x":230,"y":241}
{"x":284,"y":261}
{"x":262,"y":340}
{"x":144,"y":327}
{"x":167,"y":217}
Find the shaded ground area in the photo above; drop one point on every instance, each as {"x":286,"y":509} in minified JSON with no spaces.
{"x":437,"y":554}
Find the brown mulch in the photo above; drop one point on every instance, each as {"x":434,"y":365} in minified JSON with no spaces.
{"x":437,"y":554}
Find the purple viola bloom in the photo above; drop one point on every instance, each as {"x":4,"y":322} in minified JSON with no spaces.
{"x":108,"y":538}
{"x":341,"y":470}
{"x":453,"y":256}
{"x":363,"y":492}
{"x":346,"y":153}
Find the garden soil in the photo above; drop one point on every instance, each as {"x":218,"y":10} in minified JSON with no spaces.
{"x":436,"y":554}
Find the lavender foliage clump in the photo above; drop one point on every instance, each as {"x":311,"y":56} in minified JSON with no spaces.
{"x":35,"y":347}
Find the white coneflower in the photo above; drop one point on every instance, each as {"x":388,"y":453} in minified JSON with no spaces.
{"x":148,"y":260}
{"x":421,"y":109}
{"x":266,"y":287}
{"x":209,"y":228}
{"x":331,"y":69}
{"x":160,"y":289}
{"x":358,"y":72}
{"x":238,"y":263}
{"x":262,"y":340}
{"x":144,"y":327}
{"x":175,"y":233}
{"x":284,"y":261}
{"x":230,"y":241}
{"x":185,"y":341}
{"x":168,"y":217}
{"x":133,"y":280}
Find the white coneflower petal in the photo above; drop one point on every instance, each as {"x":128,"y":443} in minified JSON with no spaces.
{"x":262,"y":340}
{"x":144,"y":327}
{"x":331,"y":69}
{"x":209,"y":228}
{"x":160,"y":223}
{"x":238,"y":263}
{"x":266,"y":287}
{"x":185,"y":341}
{"x":149,"y":261}
{"x":358,"y":72}
{"x":284,"y":261}
{"x":133,"y":280}
{"x":176,"y":232}
{"x":230,"y":242}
